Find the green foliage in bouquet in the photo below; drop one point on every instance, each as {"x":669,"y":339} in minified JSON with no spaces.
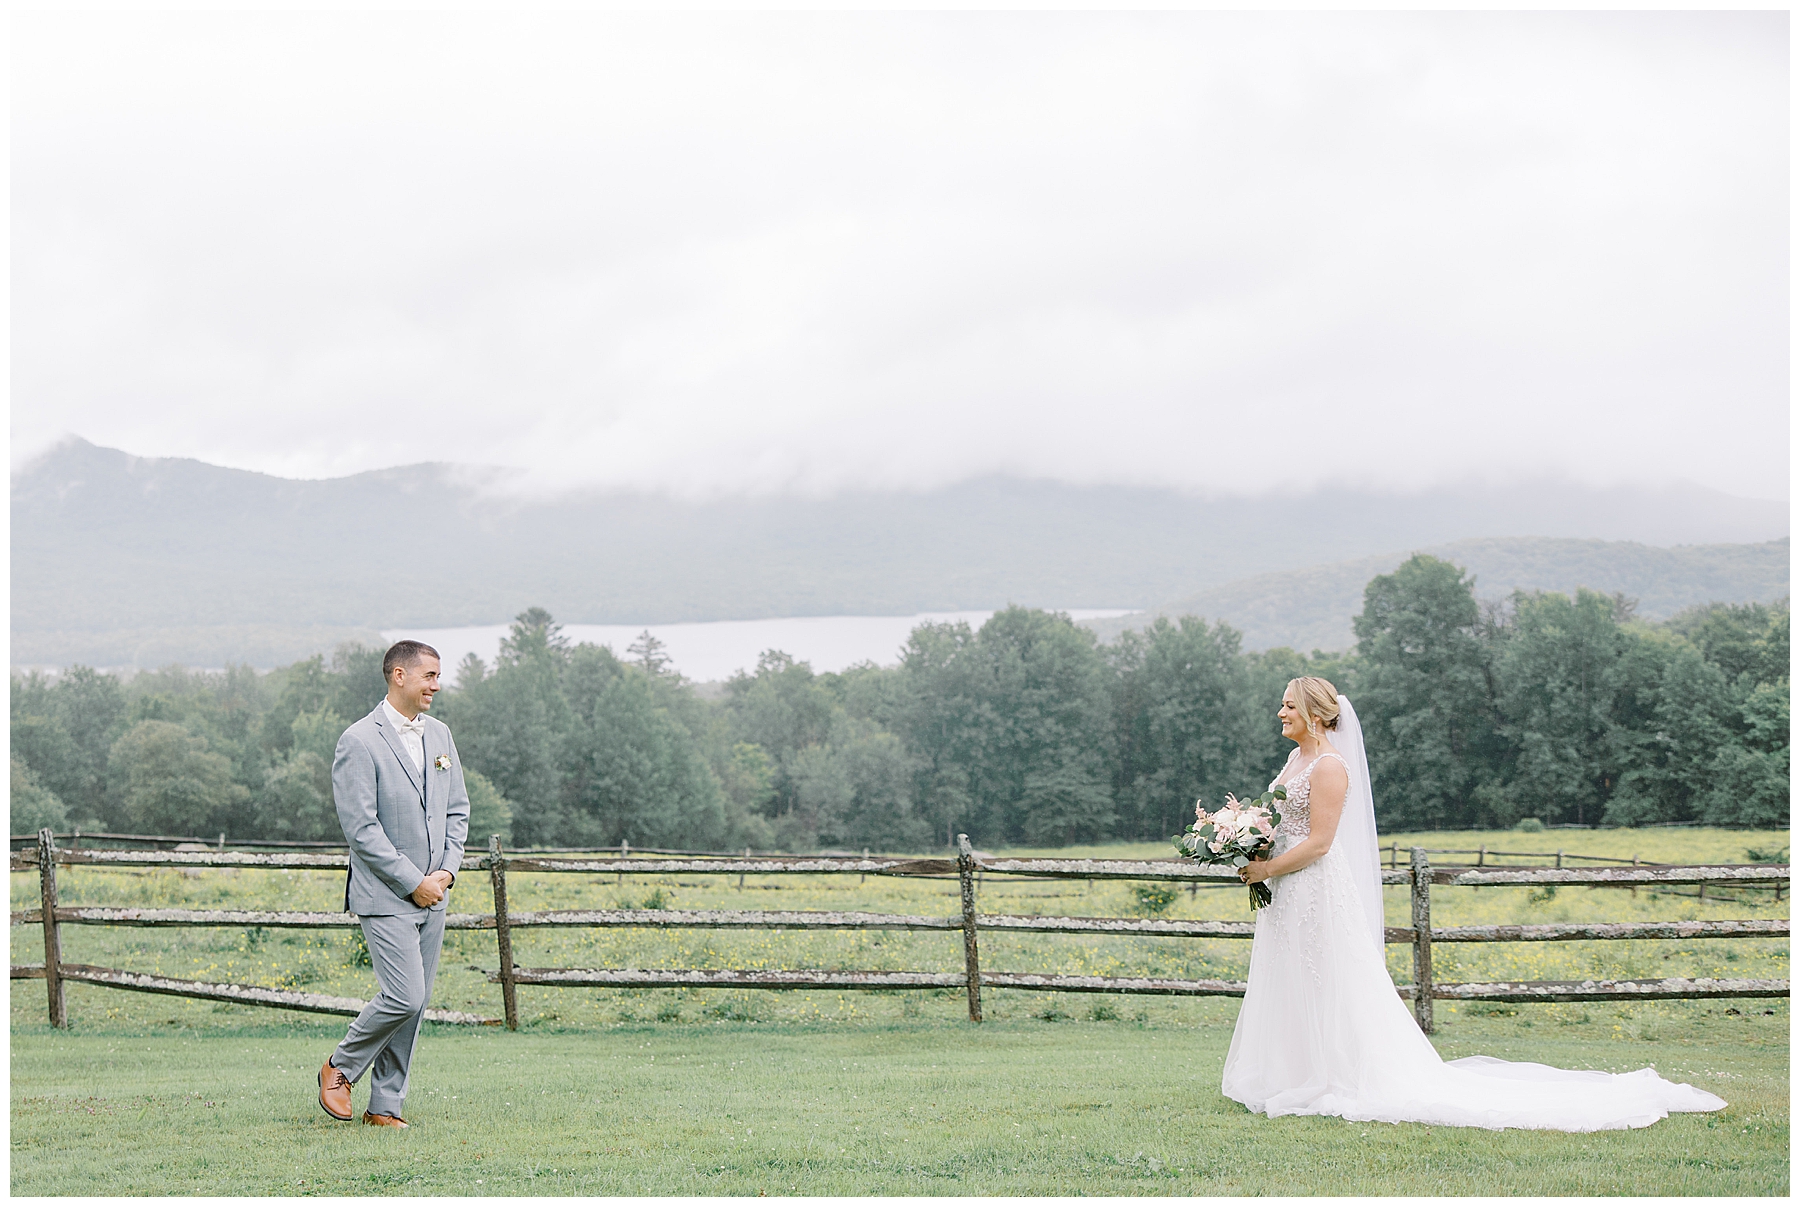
{"x":1200,"y":836}
{"x":1225,"y":838}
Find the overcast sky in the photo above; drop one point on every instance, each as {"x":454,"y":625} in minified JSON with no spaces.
{"x":711,"y":253}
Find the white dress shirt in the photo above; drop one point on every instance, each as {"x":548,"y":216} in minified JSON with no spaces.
{"x":412,"y":734}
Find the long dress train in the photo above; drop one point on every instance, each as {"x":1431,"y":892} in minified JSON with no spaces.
{"x":1322,"y":1032}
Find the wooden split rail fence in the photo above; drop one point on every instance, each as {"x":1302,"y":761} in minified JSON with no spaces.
{"x":1421,"y":877}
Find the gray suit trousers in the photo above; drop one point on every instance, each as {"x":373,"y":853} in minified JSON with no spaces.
{"x":404,"y":949}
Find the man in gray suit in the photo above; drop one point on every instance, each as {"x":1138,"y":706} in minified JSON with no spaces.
{"x":398,"y":785}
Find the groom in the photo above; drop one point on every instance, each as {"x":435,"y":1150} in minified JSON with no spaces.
{"x":400,"y":798}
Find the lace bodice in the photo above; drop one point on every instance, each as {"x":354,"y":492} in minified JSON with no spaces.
{"x":1296,"y":811}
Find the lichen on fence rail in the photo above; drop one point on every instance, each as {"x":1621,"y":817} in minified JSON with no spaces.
{"x":1074,"y":869}
{"x":1727,"y":874}
{"x":23,"y":860}
{"x":95,"y":915}
{"x":1621,"y":990}
{"x":852,"y":920}
{"x":249,"y":995}
{"x":966,"y":868}
{"x":1557,"y":932}
{"x":728,"y":978}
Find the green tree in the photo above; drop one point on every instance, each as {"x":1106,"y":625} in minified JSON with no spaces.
{"x":856,"y":790}
{"x":64,"y":729}
{"x":1184,"y":723}
{"x":490,"y":813}
{"x":1671,"y":771}
{"x":747,"y":779}
{"x":356,"y":680}
{"x":1747,"y":642}
{"x":304,"y":686}
{"x":940,"y":714}
{"x":34,"y":806}
{"x":1712,"y":744}
{"x":42,"y":745}
{"x":1751,"y":774}
{"x":1425,"y":693}
{"x":512,"y":724}
{"x":1567,"y":670}
{"x":784,"y":709}
{"x":295,"y":802}
{"x":1021,"y":712}
{"x":170,"y":783}
{"x":317,"y":733}
{"x":651,"y":655}
{"x":637,"y":775}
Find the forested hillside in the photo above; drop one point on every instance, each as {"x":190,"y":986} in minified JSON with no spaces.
{"x":1026,"y":730}
{"x":1315,"y":608}
{"x":129,"y":561}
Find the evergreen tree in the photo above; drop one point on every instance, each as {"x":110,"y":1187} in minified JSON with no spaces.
{"x":512,"y":726}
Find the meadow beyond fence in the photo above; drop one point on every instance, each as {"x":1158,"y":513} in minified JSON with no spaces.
{"x":969,"y":869}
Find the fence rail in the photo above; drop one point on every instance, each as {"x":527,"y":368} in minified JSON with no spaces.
{"x":75,"y":838}
{"x":221,"y":842}
{"x":255,"y":995}
{"x":1484,"y":853}
{"x":744,"y":919}
{"x":968,"y":868}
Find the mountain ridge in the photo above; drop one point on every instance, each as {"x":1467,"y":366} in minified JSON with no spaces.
{"x":180,"y":560}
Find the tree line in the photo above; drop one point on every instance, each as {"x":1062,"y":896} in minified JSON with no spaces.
{"x":1024,"y":731}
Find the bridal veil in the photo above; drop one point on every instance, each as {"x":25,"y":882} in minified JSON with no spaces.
{"x":1356,"y":824}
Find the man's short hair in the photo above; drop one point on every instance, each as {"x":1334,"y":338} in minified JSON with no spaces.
{"x":405,"y":653}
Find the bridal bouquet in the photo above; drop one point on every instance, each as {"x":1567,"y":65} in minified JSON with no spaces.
{"x":1236,"y":834}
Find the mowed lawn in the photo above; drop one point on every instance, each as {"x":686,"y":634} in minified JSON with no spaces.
{"x":931,"y":1105}
{"x":743,"y":1092}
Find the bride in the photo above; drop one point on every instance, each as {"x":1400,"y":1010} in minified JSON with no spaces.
{"x":1322,"y":1031}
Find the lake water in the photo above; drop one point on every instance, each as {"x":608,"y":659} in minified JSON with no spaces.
{"x":718,"y":649}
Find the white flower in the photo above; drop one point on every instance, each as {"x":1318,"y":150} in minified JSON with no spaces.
{"x":442,"y":762}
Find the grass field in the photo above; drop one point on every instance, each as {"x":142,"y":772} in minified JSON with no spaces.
{"x":694,"y":1092}
{"x":1026,"y":1107}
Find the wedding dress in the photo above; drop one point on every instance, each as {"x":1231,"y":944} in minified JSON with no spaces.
{"x":1322,"y":1031}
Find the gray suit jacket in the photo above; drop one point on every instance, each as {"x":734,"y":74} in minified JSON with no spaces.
{"x":401,"y":825}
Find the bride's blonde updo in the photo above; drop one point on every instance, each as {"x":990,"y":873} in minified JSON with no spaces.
{"x":1317,"y":700}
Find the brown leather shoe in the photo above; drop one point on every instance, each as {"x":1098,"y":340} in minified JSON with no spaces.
{"x":385,"y":1120}
{"x":334,"y":1093}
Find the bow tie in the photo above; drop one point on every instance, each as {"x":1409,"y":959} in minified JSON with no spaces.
{"x":416,"y":725}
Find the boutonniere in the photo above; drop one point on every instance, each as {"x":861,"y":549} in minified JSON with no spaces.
{"x":442,"y":762}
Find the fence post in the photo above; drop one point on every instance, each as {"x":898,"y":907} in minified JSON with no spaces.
{"x":1421,"y":920}
{"x":59,"y":1008}
{"x":503,"y":933}
{"x":965,"y":867}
